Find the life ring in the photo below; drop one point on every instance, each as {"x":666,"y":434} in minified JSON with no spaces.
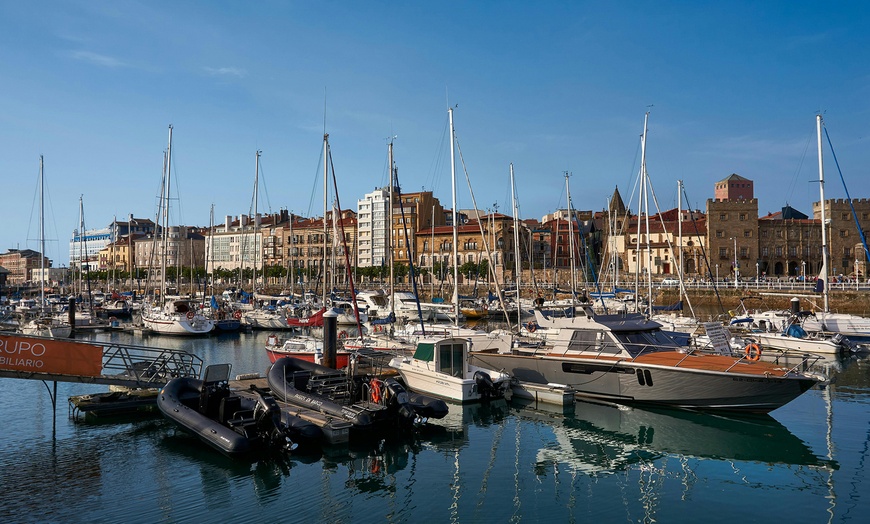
{"x":378,"y":328}
{"x":375,"y":385}
{"x":753,"y":351}
{"x":342,"y":334}
{"x":532,"y":326}
{"x":190,"y":315}
{"x":237,"y":314}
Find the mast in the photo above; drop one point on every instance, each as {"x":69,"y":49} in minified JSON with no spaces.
{"x":41,"y":236}
{"x":571,"y":240}
{"x":256,"y":218}
{"x":517,"y":262}
{"x":325,"y":204}
{"x":455,"y":225}
{"x":390,"y":233}
{"x":680,"y":229}
{"x":825,"y":256}
{"x":164,"y":237}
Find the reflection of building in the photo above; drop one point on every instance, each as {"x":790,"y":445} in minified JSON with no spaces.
{"x":20,"y":264}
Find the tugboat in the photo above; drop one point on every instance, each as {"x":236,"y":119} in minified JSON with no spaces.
{"x":233,"y":423}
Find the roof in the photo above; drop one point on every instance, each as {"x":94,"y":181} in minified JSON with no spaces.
{"x":735,"y":177}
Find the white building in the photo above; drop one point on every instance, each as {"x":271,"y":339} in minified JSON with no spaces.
{"x":373,"y":215}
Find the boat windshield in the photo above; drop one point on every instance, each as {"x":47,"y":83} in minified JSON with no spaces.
{"x":637,"y":342}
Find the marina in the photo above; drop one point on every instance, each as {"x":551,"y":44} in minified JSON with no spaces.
{"x":500,"y":460}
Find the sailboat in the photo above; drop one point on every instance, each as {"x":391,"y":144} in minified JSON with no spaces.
{"x":440,"y":364}
{"x":825,"y":320}
{"x":44,"y":324}
{"x":175,"y":316}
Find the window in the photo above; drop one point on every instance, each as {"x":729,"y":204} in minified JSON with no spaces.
{"x":779,"y":251}
{"x":847,"y":252}
{"x":747,"y":233}
{"x":765,"y":251}
{"x":723,"y":216}
{"x":843,"y":233}
{"x":792,"y":251}
{"x":845,"y":216}
{"x":744,"y":252}
{"x":779,"y":234}
{"x":720,"y":234}
{"x":723,"y":252}
{"x":765,"y":234}
{"x":742,"y":216}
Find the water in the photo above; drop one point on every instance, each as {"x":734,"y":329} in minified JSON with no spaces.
{"x":495,"y":463}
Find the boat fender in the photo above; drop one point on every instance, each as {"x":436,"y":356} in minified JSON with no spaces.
{"x":753,"y":351}
{"x":532,"y":326}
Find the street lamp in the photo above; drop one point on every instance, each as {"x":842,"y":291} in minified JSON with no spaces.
{"x":736,"y":267}
{"x":804,"y":271}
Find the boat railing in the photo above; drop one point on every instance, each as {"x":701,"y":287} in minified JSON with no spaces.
{"x":149,"y":366}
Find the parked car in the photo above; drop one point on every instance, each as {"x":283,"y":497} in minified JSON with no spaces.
{"x":670,"y":282}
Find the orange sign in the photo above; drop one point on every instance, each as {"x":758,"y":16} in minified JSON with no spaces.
{"x":43,"y":355}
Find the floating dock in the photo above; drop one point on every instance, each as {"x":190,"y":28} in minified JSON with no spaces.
{"x":556,"y":394}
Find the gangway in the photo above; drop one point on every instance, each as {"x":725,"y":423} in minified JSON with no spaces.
{"x":89,"y":362}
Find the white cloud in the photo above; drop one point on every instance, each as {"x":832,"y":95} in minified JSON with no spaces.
{"x":225,"y":71}
{"x":97,"y":59}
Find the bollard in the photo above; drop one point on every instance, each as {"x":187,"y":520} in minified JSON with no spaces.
{"x":795,"y":305}
{"x":330,"y":338}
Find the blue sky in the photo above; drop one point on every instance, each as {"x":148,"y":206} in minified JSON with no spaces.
{"x":553,"y":87}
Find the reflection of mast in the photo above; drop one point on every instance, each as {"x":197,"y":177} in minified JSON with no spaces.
{"x":829,"y":440}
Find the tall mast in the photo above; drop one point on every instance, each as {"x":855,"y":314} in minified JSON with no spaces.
{"x":645,"y":192}
{"x":165,"y":238}
{"x":517,"y":262}
{"x":41,"y":236}
{"x":825,"y":256}
{"x":455,"y":224}
{"x":571,"y":239}
{"x":256,"y":236}
{"x":325,"y":204}
{"x":390,"y":231}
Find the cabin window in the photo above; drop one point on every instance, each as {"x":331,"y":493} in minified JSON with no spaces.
{"x":583,"y":340}
{"x":450,"y":359}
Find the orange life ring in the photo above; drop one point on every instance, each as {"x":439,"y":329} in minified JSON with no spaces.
{"x":237,"y":314}
{"x":190,"y":315}
{"x":375,"y":384}
{"x":532,"y":326}
{"x":342,"y":334}
{"x":753,"y":351}
{"x":378,"y":328}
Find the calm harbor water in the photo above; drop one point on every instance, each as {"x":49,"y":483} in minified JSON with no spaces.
{"x":502,"y":462}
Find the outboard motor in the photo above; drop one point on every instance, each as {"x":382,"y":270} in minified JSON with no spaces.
{"x":399,"y":396}
{"x":267,"y":413}
{"x":485,"y":385}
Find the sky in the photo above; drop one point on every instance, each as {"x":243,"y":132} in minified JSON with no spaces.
{"x":552,"y":88}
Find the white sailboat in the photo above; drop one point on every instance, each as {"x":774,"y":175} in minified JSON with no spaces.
{"x":440,"y":364}
{"x":826,"y":320}
{"x":174,"y":316}
{"x":44,"y":324}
